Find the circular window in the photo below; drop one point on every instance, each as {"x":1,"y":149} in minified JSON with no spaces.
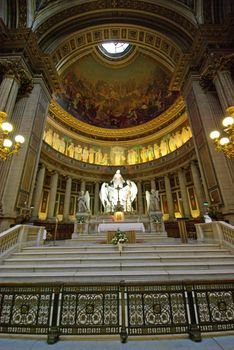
{"x":115,"y":49}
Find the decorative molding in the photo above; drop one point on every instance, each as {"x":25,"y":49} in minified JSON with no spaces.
{"x":166,"y":118}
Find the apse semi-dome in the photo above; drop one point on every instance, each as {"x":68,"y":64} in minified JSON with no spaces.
{"x":116,"y":96}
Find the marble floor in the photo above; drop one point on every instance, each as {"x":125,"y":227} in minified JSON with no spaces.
{"x":212,"y":343}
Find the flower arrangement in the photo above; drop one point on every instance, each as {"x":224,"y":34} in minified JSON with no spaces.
{"x":157,"y":219}
{"x":119,"y":237}
{"x":80,"y":219}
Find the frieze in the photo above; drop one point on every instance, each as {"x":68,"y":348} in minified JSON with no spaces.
{"x":53,"y":159}
{"x":154,"y":125}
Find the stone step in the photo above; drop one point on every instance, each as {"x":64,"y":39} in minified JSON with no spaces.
{"x":120,"y":258}
{"x":137,"y":253}
{"x":116,"y":276}
{"x":116,"y":266}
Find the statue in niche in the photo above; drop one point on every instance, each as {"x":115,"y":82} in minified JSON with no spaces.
{"x":118,"y":190}
{"x":70,"y":150}
{"x":157,"y":153}
{"x":85,"y":154}
{"x":78,"y":152}
{"x":62,"y":146}
{"x":48,"y":137}
{"x":83,"y":202}
{"x":152,"y":200}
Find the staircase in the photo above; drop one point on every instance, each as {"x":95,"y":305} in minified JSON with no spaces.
{"x":94,"y":261}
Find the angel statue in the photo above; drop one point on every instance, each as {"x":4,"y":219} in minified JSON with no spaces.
{"x":152,"y":200}
{"x":113,"y":195}
{"x":83,"y":202}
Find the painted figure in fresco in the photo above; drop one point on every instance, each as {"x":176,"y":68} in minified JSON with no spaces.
{"x":49,"y":136}
{"x":144,"y":154}
{"x":78,"y":152}
{"x":62,"y":146}
{"x":163,"y":147}
{"x":105,"y":159}
{"x":91,"y":155}
{"x":178,"y":139}
{"x":172,"y":143}
{"x":71,"y":150}
{"x":85,"y":154}
{"x":157,"y":153}
{"x":98,"y":156}
{"x":185,"y":134}
{"x":56,"y":141}
{"x":150,"y":153}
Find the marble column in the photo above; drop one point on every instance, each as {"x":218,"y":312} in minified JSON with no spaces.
{"x":67,"y":199}
{"x":38,"y":191}
{"x":96,"y":198}
{"x":197,"y":187}
{"x":52,"y":198}
{"x":8,"y":93}
{"x":205,"y":114}
{"x":169,"y":198}
{"x":153,"y":184}
{"x":225,"y":89}
{"x":184,"y":194}
{"x":139,"y":198}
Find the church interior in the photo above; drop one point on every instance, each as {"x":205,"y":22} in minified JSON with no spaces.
{"x":116,"y":168}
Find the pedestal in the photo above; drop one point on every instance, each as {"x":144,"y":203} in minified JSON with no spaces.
{"x":81,"y":224}
{"x":156,"y":221}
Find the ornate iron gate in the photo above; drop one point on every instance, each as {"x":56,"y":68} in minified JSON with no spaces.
{"x":109,"y":309}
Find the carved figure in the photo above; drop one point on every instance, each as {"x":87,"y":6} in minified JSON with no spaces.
{"x":117,"y":179}
{"x":83,"y":202}
{"x":152,"y":200}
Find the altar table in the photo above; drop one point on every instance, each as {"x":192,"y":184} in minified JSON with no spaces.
{"x":129,"y":228}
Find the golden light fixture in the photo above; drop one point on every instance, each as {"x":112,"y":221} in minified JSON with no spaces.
{"x":224,"y":140}
{"x":7,"y":146}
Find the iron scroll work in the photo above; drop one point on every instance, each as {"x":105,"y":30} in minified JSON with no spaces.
{"x":117,"y":309}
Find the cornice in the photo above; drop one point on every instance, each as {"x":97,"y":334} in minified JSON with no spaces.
{"x":136,"y":132}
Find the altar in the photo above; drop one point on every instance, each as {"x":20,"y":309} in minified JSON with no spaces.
{"x":129,"y":228}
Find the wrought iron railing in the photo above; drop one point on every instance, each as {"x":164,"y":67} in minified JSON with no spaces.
{"x":125,"y":309}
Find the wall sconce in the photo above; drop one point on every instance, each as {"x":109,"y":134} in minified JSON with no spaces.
{"x":224,"y":140}
{"x":7,"y":146}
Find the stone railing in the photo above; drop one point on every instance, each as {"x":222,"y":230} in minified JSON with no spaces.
{"x":18,"y":236}
{"x":218,"y":231}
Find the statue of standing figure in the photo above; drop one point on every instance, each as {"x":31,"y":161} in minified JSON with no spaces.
{"x":152,"y":199}
{"x":83,"y":202}
{"x":118,"y":192}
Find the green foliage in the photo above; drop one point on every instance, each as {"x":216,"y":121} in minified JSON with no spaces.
{"x":119,"y":237}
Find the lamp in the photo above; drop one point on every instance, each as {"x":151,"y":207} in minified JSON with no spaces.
{"x":224,"y":140}
{"x":7,"y":146}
